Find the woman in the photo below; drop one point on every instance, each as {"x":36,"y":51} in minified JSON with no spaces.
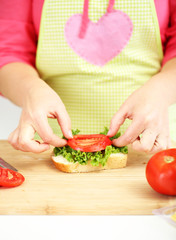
{"x":137,"y":81}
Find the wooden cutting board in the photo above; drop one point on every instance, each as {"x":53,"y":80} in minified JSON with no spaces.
{"x":46,"y":190}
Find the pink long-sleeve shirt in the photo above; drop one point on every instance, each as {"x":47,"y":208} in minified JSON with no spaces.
{"x":20,"y":23}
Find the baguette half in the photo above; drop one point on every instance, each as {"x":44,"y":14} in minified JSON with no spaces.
{"x":115,"y":161}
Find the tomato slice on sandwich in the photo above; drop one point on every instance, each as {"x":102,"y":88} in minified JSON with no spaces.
{"x":89,"y":143}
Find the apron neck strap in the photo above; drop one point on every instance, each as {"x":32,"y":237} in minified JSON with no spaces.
{"x":110,"y":6}
{"x":85,"y":16}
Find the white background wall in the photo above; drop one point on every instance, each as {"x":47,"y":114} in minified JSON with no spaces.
{"x":9,"y":117}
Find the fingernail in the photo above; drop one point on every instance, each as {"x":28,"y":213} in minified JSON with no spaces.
{"x":70,"y":134}
{"x":109,"y":132}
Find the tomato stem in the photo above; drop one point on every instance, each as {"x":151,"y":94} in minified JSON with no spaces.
{"x":169,"y":159}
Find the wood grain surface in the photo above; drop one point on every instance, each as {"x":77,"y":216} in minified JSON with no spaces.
{"x":47,"y":191}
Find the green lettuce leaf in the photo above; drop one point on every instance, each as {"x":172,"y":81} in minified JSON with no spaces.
{"x":106,"y":131}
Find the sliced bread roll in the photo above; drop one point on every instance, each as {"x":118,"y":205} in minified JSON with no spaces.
{"x":115,"y":161}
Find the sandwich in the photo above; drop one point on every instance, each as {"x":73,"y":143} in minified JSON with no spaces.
{"x":87,"y":153}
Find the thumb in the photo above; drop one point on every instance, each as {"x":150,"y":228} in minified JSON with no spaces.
{"x":116,"y":121}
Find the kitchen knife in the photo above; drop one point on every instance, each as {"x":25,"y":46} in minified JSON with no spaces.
{"x":4,"y":164}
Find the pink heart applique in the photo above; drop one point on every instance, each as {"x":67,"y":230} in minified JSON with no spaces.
{"x":103,"y":40}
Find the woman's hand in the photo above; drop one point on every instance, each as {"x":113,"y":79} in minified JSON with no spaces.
{"x":147,"y":107}
{"x":40,"y":103}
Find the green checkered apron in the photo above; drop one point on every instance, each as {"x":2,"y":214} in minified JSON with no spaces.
{"x":91,"y":93}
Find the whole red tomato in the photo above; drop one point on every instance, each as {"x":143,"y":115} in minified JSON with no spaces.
{"x":161,"y":172}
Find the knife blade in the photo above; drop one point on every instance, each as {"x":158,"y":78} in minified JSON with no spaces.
{"x":4,"y":164}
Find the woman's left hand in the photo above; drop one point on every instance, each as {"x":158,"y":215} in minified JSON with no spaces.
{"x":147,"y":107}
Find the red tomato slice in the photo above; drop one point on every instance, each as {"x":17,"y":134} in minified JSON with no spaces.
{"x":89,"y":143}
{"x":10,"y":178}
{"x":161,"y":172}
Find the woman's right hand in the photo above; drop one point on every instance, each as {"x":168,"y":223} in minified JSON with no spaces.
{"x":38,"y":105}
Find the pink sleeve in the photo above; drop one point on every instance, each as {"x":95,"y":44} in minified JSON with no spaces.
{"x":170,"y":46}
{"x":18,"y":39}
